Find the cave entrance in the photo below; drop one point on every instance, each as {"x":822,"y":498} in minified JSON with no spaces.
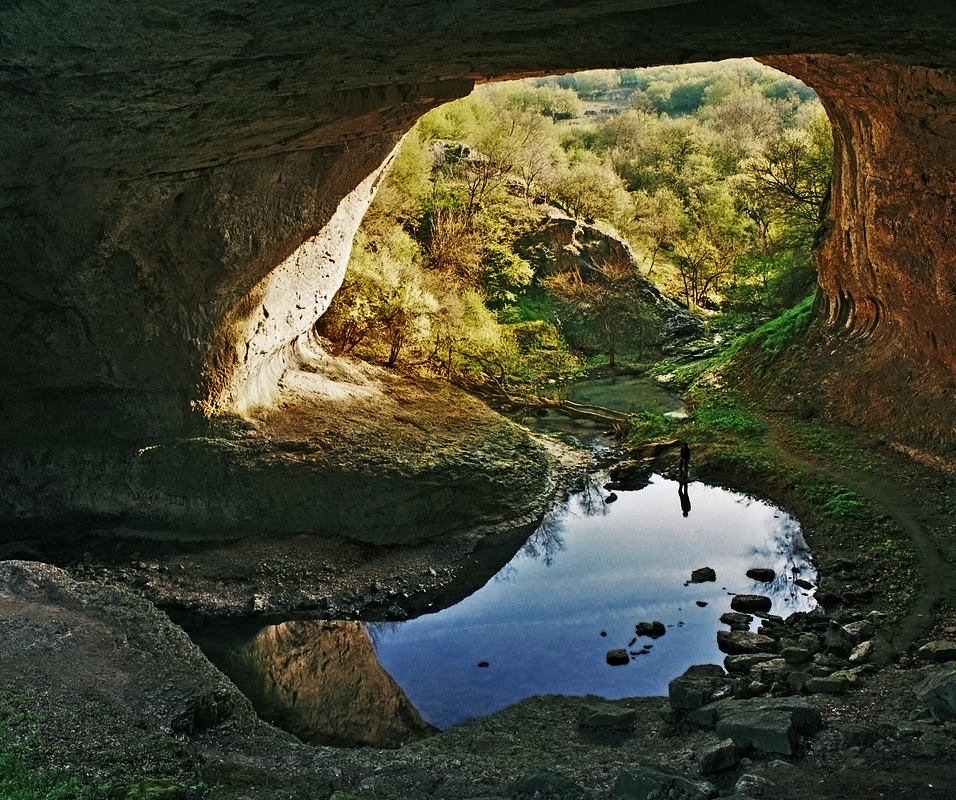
{"x":539,"y":229}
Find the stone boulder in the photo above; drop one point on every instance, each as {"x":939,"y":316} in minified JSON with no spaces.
{"x":746,"y":661}
{"x":751,"y":602}
{"x":641,"y":780}
{"x":940,"y":650}
{"x":736,"y":620}
{"x":629,"y":475}
{"x":607,"y":717}
{"x":765,"y":729}
{"x":806,"y":717}
{"x":718,"y":756}
{"x":652,"y":629}
{"x":937,"y":691}
{"x":761,"y":574}
{"x":739,"y":642}
{"x":698,"y":686}
{"x":544,"y":784}
{"x":703,"y":575}
{"x":617,"y":657}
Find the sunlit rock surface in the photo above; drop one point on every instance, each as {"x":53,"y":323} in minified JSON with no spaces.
{"x":320,"y":681}
{"x":159,"y":164}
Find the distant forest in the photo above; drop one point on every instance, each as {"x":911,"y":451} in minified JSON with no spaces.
{"x":715,"y":175}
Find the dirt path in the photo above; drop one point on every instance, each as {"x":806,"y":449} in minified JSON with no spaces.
{"x":891,"y":496}
{"x":907,"y":514}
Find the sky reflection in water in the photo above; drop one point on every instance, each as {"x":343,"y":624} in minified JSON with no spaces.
{"x":593,"y":567}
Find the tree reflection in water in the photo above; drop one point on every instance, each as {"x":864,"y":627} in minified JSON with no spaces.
{"x":547,"y":541}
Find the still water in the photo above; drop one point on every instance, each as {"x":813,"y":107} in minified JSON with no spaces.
{"x":629,"y":393}
{"x":544,"y":623}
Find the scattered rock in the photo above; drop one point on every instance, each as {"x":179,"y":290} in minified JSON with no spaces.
{"x":718,"y":757}
{"x":940,"y":650}
{"x":797,"y":681}
{"x":745,"y":661}
{"x":703,"y":575}
{"x":803,"y":584}
{"x":692,"y":691}
{"x":610,"y":498}
{"x":641,"y":780}
{"x":761,"y":574}
{"x":795,"y":655}
{"x":751,"y":602}
{"x":630,"y":475}
{"x":652,"y":629}
{"x":766,"y":729}
{"x":833,"y":684}
{"x":605,"y":716}
{"x":827,"y":599}
{"x":863,"y":652}
{"x":618,"y":657}
{"x":702,"y":603}
{"x":735,"y":618}
{"x":737,"y":642}
{"x":858,"y":632}
{"x":543,"y":784}
{"x":754,"y":786}
{"x":856,"y":734}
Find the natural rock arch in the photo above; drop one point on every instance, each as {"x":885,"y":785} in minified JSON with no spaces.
{"x":159,"y":165}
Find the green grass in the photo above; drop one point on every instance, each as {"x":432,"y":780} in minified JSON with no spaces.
{"x":25,"y":773}
{"x":777,"y":334}
{"x":726,"y":416}
{"x":19,"y":779}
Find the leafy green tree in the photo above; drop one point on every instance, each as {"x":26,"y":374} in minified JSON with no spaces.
{"x":790,"y":180}
{"x":659,"y":217}
{"x":714,"y":236}
{"x":589,"y":190}
{"x":607,"y":291}
{"x":504,"y":274}
{"x":547,"y":99}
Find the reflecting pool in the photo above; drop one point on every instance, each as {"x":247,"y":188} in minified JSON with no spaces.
{"x":592,"y":571}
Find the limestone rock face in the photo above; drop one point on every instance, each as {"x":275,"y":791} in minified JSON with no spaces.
{"x":160,"y":169}
{"x":887,"y":259}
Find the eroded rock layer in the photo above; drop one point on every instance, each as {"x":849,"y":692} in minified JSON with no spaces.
{"x":888,"y":259}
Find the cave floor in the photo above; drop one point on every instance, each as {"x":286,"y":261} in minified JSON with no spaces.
{"x":61,"y":681}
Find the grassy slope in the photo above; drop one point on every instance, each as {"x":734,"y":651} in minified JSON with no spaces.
{"x":859,"y":499}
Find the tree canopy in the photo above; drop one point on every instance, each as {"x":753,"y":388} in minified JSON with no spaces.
{"x":716,"y":174}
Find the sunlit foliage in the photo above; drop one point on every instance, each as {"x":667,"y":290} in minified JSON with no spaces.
{"x":717,"y":174}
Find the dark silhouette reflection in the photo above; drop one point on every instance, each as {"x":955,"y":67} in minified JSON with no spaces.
{"x":547,"y":540}
{"x":684,"y":498}
{"x":590,"y":498}
{"x":318,"y":680}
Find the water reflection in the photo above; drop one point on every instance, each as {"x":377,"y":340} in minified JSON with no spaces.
{"x":579,"y":587}
{"x":318,"y":680}
{"x":684,"y":495}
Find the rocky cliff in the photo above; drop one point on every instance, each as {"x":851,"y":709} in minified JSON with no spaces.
{"x":178,"y":184}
